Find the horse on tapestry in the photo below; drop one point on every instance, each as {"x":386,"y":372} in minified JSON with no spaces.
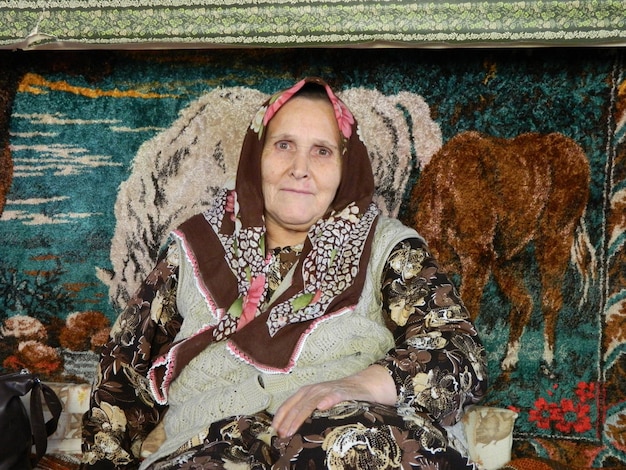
{"x":482,"y":201}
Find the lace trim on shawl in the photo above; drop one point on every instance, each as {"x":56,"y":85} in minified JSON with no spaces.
{"x":168,"y":363}
{"x":216,"y":312}
{"x":297,"y":350}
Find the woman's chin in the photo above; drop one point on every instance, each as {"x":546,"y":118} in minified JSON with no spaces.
{"x":297,"y":219}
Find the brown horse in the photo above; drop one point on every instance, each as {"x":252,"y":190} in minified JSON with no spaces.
{"x":480,"y":202}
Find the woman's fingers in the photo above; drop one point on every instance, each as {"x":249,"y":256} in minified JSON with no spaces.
{"x":296,"y":409}
{"x":373,"y":384}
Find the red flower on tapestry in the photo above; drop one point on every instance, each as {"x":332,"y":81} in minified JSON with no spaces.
{"x":80,"y":328}
{"x":573,"y":417}
{"x":39,"y":358}
{"x":585,"y":391}
{"x":24,"y":328}
{"x":543,"y":413}
{"x":12,"y":362}
{"x":567,"y":416}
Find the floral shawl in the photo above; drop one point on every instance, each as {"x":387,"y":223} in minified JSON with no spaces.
{"x":226,"y":246}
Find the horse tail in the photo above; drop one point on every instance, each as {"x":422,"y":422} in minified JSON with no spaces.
{"x":584,"y":258}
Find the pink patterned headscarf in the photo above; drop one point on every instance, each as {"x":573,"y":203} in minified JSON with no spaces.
{"x":344,"y":117}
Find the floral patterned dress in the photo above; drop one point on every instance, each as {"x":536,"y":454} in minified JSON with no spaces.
{"x":438,"y":366}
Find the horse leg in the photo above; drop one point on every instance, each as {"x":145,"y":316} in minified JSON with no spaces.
{"x":510,"y":277}
{"x":564,"y":208}
{"x":553,"y":258}
{"x":474,"y":278}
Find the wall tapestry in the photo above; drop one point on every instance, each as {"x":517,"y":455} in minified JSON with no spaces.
{"x":511,"y":163}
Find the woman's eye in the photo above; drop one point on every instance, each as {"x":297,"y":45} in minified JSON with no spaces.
{"x":324,"y":152}
{"x":283,"y":145}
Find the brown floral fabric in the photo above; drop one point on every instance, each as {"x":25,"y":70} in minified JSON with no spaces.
{"x":123,"y":411}
{"x":438,"y":366}
{"x":352,"y":435}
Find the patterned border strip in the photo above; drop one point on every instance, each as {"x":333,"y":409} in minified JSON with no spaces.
{"x":42,"y":23}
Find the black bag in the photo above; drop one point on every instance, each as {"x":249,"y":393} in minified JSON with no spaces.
{"x":18,"y":432}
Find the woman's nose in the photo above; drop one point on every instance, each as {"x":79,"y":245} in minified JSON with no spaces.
{"x":300,"y":165}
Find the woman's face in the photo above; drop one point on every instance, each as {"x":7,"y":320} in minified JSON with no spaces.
{"x":300,"y":167}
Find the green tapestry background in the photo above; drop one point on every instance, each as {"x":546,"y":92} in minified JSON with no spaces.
{"x":94,"y":145}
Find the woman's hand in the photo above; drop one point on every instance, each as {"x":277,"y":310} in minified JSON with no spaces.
{"x":373,"y":384}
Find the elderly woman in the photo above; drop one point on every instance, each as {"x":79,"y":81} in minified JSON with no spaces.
{"x":291,"y":325}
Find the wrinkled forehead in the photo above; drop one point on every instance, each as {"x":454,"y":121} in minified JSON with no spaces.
{"x":306,"y":117}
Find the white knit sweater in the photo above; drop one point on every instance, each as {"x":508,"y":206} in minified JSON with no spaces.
{"x":216,"y":385}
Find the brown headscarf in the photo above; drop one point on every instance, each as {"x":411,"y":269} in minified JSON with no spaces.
{"x":226,"y":246}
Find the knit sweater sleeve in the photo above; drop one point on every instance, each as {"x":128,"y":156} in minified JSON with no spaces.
{"x":438,"y":362}
{"x":122,"y":411}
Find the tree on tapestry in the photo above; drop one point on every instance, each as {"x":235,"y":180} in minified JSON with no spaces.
{"x":38,"y":293}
